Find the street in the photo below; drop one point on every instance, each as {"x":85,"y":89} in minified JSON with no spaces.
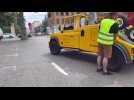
{"x":30,"y":64}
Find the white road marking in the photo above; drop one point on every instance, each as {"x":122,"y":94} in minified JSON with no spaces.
{"x":59,"y":68}
{"x":16,"y":49}
{"x":14,"y":55}
{"x":8,"y":67}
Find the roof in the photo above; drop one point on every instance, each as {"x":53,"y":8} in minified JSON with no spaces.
{"x":75,"y":15}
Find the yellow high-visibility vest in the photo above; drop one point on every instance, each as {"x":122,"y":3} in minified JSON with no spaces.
{"x":105,"y":37}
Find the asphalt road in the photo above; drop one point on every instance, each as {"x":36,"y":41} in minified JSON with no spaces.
{"x":30,"y":64}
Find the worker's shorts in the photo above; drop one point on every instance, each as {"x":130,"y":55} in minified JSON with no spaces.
{"x":105,"y":50}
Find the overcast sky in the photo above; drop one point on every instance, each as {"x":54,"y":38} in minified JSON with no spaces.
{"x":33,"y":16}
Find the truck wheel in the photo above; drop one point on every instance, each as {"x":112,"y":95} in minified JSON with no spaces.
{"x":117,"y":60}
{"x":130,"y":34}
{"x":54,"y":47}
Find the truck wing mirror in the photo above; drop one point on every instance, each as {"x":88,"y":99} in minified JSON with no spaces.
{"x":61,"y":31}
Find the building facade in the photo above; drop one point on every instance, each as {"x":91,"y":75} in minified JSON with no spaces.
{"x":56,"y":18}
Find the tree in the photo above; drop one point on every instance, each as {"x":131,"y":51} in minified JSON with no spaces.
{"x":45,"y":24}
{"x":20,"y":25}
{"x":6,"y":19}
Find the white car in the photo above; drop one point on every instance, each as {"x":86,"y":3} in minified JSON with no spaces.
{"x":56,"y":29}
{"x":49,"y":30}
{"x":1,"y":34}
{"x":38,"y":34}
{"x":8,"y":35}
{"x":29,"y":35}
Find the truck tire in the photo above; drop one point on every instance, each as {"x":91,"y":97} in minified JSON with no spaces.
{"x":54,"y":47}
{"x":117,"y":60}
{"x":130,"y":34}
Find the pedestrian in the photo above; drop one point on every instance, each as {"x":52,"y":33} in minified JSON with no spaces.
{"x":108,"y":28}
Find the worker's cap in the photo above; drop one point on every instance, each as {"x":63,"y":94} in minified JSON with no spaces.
{"x":112,"y":14}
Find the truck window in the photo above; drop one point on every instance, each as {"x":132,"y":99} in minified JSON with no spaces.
{"x":69,"y":24}
{"x":83,"y":21}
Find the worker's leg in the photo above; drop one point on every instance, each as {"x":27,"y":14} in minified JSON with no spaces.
{"x":99,"y":62}
{"x":105,"y":64}
{"x":107,"y":56}
{"x":100,"y":57}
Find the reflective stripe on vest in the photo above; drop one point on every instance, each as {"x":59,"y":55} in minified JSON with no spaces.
{"x":104,"y":36}
{"x":107,"y":37}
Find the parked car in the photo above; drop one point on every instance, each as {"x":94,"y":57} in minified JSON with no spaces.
{"x":49,"y":30}
{"x":38,"y":34}
{"x":9,"y":35}
{"x":56,"y":29}
{"x":29,"y":34}
{"x":1,"y":34}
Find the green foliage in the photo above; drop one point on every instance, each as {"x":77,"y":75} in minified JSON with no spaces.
{"x":21,"y":23}
{"x":45,"y":24}
{"x":6,"y":29}
{"x":7,"y":18}
{"x":17,"y":29}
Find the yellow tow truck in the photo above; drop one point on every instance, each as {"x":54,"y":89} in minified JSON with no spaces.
{"x":78,"y":33}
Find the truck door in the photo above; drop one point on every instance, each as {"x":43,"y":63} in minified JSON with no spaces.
{"x":70,"y":35}
{"x":88,"y":36}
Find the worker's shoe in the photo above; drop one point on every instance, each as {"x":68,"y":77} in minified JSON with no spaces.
{"x":107,"y":71}
{"x":99,"y":70}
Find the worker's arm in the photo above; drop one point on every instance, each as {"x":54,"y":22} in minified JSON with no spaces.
{"x":99,"y":26}
{"x":114,"y":29}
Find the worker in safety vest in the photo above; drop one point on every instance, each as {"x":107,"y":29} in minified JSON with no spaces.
{"x":108,"y":28}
